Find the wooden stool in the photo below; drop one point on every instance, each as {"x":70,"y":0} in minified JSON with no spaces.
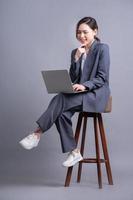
{"x":97,"y":117}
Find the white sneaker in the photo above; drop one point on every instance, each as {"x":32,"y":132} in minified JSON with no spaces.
{"x":30,"y":141}
{"x":72,"y":159}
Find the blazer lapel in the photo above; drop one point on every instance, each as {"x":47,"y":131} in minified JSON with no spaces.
{"x":88,"y":64}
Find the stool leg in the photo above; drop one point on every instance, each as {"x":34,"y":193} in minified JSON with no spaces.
{"x":82,"y":149}
{"x":97,"y":153}
{"x":105,"y":150}
{"x":77,"y":132}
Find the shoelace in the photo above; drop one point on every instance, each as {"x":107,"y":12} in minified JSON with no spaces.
{"x":71,"y":154}
{"x":30,"y":136}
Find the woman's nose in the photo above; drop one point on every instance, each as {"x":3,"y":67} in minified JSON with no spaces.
{"x":82,"y":35}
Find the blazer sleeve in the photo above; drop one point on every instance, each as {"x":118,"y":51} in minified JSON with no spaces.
{"x":102,"y":73}
{"x":74,"y":70}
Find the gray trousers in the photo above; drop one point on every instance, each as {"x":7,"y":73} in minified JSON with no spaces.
{"x":60,"y":110}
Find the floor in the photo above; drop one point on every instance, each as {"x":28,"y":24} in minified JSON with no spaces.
{"x":22,"y":183}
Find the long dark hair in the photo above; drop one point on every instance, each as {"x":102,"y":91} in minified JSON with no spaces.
{"x":91,"y":22}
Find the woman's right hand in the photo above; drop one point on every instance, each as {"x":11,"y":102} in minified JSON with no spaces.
{"x":79,"y":52}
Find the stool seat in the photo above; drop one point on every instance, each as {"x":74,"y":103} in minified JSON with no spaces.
{"x":98,"y":122}
{"x":109,"y":105}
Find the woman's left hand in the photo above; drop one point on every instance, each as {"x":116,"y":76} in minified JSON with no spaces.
{"x":79,"y":87}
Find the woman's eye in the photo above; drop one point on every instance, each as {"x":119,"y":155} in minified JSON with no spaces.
{"x":80,"y":32}
{"x":85,"y":32}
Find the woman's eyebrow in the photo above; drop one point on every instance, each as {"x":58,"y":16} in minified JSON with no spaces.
{"x":82,"y":30}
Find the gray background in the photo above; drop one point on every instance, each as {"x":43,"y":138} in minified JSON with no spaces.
{"x":40,"y":34}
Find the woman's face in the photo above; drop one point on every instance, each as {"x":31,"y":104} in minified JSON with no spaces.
{"x":85,"y":35}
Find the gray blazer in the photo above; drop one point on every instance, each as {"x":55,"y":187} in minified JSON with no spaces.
{"x":95,"y":76}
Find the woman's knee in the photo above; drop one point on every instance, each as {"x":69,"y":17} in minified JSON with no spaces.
{"x":57,"y":99}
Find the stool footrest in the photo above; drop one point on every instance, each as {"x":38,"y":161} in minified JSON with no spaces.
{"x":92,"y":160}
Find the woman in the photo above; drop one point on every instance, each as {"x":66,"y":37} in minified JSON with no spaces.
{"x":89,"y":71}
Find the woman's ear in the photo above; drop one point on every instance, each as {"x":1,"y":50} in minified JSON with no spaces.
{"x":95,"y":32}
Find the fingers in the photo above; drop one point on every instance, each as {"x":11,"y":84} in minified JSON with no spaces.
{"x":78,"y":87}
{"x":81,"y":49}
{"x":79,"y":52}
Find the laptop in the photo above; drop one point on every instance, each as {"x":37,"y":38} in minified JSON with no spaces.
{"x":57,"y":81}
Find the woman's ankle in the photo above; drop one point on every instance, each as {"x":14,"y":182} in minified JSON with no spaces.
{"x":38,"y":132}
{"x":76,"y":150}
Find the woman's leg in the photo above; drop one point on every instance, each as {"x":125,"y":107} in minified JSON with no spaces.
{"x":64,"y":126}
{"x":59,"y":111}
{"x":55,"y":112}
{"x":59,"y":104}
{"x":52,"y":112}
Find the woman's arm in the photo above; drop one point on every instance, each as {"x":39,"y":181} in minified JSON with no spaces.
{"x":76,"y":56}
{"x":74,"y":68}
